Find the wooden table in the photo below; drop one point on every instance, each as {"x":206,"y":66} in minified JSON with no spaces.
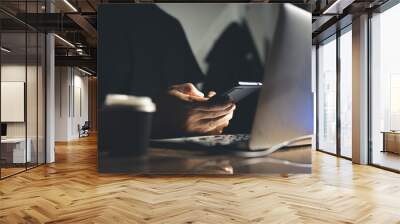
{"x":13,"y":150}
{"x":391,"y":141}
{"x":186,"y":162}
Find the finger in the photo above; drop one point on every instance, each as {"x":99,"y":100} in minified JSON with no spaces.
{"x":214,"y":114}
{"x":178,"y":94}
{"x":211,"y":94}
{"x":216,"y":131}
{"x":185,"y":97}
{"x":223,"y":121}
{"x":219,"y":130}
{"x":224,"y":125}
{"x":212,"y":107}
{"x":197,"y":98}
{"x":211,"y":124}
{"x":187,"y":88}
{"x":190,"y":89}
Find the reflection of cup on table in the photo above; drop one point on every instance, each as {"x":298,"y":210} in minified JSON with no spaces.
{"x":127,"y":125}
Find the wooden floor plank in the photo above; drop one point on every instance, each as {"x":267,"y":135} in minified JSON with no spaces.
{"x":71,"y":191}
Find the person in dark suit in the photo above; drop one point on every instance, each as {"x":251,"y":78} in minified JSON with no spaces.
{"x":144,"y":52}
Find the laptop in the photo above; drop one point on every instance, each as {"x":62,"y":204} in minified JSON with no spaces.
{"x":284,"y":113}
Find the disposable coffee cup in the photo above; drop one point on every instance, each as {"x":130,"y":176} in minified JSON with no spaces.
{"x":127,"y":125}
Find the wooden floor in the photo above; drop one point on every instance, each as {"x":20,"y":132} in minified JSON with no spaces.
{"x":5,"y":172}
{"x":386,"y":159}
{"x":71,"y":191}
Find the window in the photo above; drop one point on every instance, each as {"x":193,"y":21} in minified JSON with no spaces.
{"x":385,"y":89}
{"x":334,"y":106}
{"x":346,"y":93}
{"x":327,"y":96}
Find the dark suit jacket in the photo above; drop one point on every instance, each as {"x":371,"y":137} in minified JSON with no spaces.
{"x":142,"y":51}
{"x":234,"y":58}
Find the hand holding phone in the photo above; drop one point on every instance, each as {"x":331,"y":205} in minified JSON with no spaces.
{"x":240,"y":91}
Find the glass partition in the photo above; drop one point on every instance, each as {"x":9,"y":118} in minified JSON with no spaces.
{"x":22,"y":91}
{"x":327,"y":95}
{"x":334,"y":62}
{"x":385,"y":89}
{"x":346,"y":93}
{"x":14,"y":151}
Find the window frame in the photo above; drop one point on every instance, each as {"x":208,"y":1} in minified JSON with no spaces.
{"x":333,"y":37}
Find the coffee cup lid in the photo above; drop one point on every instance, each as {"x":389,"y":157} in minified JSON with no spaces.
{"x":139,"y":103}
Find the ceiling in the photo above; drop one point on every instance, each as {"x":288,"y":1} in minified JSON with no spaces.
{"x":76,"y":20}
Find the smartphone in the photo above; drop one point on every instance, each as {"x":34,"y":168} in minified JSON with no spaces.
{"x":240,"y":91}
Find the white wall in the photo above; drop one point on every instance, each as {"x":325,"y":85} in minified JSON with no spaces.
{"x":33,"y":127}
{"x":62,"y":83}
{"x":9,"y":73}
{"x":80,"y":103}
{"x":16,"y":73}
{"x":71,"y":110}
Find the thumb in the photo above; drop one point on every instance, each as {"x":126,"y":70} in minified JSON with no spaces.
{"x":211,"y":94}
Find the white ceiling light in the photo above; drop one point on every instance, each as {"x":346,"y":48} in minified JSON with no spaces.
{"x":84,"y":71}
{"x":65,"y":41}
{"x":70,"y":5}
{"x":337,"y":7}
{"x":5,"y":50}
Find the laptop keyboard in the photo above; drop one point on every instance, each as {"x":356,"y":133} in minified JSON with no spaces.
{"x":219,"y":140}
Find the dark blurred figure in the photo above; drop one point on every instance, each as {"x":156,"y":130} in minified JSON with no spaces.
{"x":144,"y":52}
{"x":234,"y":58}
{"x":149,"y":51}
